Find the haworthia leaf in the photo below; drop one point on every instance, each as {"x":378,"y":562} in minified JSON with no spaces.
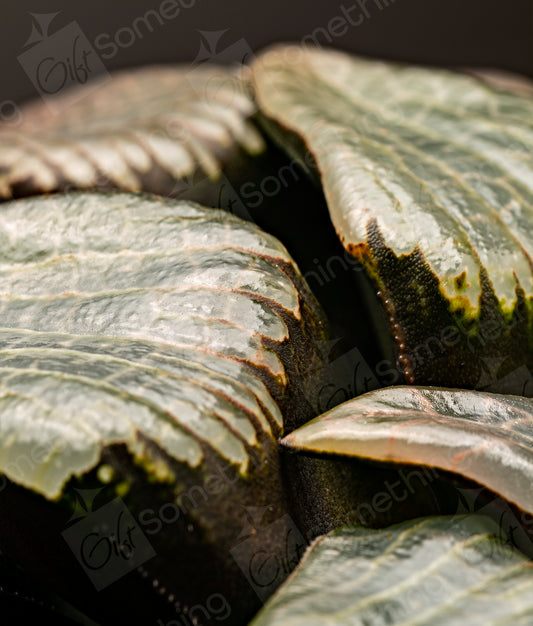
{"x":440,"y":570}
{"x":428,"y":176}
{"x":483,"y":436}
{"x":143,"y":129}
{"x":166,"y":276}
{"x":152,"y":349}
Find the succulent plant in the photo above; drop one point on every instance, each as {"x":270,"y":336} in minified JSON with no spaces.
{"x":429,"y":183}
{"x":149,"y":129}
{"x":189,"y":399}
{"x":440,"y":570}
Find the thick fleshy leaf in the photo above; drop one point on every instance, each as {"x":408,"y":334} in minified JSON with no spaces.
{"x":188,"y":132}
{"x":163,"y":129}
{"x":440,"y":570}
{"x":148,"y":349}
{"x":428,"y":176}
{"x":482,"y":436}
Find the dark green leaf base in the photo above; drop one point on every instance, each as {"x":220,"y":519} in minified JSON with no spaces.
{"x":436,"y":341}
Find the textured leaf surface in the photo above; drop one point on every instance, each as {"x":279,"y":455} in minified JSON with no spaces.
{"x":149,"y":350}
{"x":144,"y":129}
{"x":152,"y":314}
{"x":482,"y":436}
{"x":428,"y":176}
{"x":441,"y":570}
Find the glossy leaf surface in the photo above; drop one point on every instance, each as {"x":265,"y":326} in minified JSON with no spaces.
{"x":440,"y":570}
{"x":160,"y":129}
{"x":482,"y":436}
{"x":149,"y":349}
{"x":428,"y":176}
{"x":89,"y":282}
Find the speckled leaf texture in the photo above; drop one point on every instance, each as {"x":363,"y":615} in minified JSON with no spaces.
{"x":149,"y":349}
{"x":428,"y":176}
{"x":431,"y":571}
{"x":171,"y":130}
{"x":482,"y":436}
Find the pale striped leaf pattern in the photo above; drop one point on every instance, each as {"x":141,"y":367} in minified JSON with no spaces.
{"x":428,"y":176}
{"x":175,"y":314}
{"x":150,"y":350}
{"x":483,"y":436}
{"x":144,"y":129}
{"x":438,"y":571}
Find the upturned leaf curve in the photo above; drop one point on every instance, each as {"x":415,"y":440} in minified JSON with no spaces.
{"x":149,"y":349}
{"x":162,"y":129}
{"x":428,"y":176}
{"x":440,"y":570}
{"x":485,"y":437}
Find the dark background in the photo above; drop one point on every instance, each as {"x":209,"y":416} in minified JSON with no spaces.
{"x":482,"y":33}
